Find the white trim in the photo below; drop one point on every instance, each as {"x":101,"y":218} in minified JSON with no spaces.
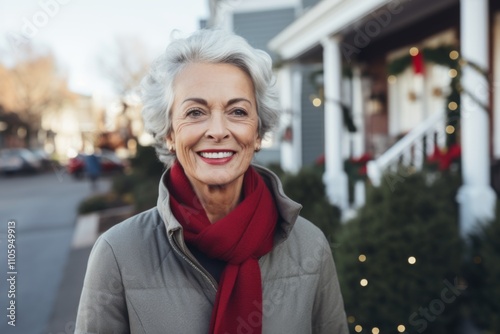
{"x":327,"y":18}
{"x":245,"y":6}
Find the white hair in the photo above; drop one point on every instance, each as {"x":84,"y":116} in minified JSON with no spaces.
{"x":205,"y":46}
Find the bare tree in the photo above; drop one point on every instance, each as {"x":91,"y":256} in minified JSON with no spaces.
{"x":32,"y":86}
{"x":125,"y":64}
{"x":7,"y":89}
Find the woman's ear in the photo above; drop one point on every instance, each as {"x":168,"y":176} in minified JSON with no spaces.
{"x":170,"y":142}
{"x":258,"y":144}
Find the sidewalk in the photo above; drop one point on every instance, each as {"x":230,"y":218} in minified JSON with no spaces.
{"x":65,"y":308}
{"x":87,"y":230}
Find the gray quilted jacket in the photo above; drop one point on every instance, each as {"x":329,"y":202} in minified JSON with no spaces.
{"x":141,"y":278}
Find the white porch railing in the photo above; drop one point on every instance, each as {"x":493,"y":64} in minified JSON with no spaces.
{"x":412,"y":149}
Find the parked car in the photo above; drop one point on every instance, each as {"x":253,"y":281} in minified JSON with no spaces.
{"x":45,"y":159}
{"x":17,"y":160}
{"x":108,"y":160}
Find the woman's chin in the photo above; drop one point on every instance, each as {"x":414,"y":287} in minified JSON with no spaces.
{"x":219,"y":178}
{"x":214,"y":181}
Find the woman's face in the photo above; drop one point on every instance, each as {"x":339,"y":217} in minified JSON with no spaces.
{"x":214,"y":123}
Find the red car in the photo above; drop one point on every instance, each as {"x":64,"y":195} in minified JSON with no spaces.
{"x":109,"y":163}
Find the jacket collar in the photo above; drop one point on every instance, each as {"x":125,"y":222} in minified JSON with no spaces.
{"x":287,"y":208}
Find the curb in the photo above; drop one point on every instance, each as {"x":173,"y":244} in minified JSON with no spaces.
{"x":90,"y":226}
{"x":86,"y":231}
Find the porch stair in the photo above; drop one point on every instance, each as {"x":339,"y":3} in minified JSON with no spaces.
{"x":411,"y":150}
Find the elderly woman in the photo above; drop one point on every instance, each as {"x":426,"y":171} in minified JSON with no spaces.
{"x":225,"y":250}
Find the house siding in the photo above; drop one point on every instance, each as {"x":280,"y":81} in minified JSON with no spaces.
{"x":260,"y":27}
{"x":306,"y":4}
{"x":313,"y":120}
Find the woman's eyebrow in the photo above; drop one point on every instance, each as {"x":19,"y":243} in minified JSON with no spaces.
{"x":197,"y":100}
{"x":236,"y":100}
{"x":205,"y":103}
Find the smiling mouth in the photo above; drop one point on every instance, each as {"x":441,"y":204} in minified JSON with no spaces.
{"x":216,"y":155}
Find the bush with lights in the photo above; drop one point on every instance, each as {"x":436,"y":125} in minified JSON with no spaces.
{"x":482,"y":273}
{"x":399,"y":254}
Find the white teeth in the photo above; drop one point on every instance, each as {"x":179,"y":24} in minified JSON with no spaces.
{"x":216,"y":155}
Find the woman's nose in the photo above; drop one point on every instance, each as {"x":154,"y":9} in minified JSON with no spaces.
{"x":217,"y":127}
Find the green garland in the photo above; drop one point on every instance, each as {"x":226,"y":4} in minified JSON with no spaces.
{"x":441,"y":56}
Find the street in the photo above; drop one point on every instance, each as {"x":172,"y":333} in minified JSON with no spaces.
{"x":43,"y":207}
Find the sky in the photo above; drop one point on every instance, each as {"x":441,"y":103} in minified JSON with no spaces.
{"x":80,"y":32}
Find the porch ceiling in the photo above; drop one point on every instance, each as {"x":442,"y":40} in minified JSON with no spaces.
{"x":344,"y":17}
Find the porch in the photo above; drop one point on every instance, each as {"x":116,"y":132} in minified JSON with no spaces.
{"x":413,"y":84}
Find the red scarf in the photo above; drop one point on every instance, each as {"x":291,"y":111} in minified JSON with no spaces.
{"x":239,"y":239}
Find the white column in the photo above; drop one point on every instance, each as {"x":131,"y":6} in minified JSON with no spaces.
{"x":285,"y":87}
{"x":359,"y":136}
{"x":335,"y":178}
{"x":297,"y":116}
{"x":496,"y":87}
{"x":290,"y":89}
{"x":357,"y":113}
{"x":476,"y":197}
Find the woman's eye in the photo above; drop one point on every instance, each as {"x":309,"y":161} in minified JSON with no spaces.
{"x":194,"y":113}
{"x":239,"y":112}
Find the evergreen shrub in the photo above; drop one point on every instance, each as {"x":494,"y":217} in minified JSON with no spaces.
{"x":411,"y":217}
{"x":141,"y":185}
{"x":482,"y":268}
{"x":100,"y":202}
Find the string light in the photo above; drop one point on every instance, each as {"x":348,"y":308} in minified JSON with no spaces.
{"x":375,"y":330}
{"x":454,"y":55}
{"x":316,"y":102}
{"x":414,"y":51}
{"x":401,"y":328}
{"x":362,"y":258}
{"x":450,"y":129}
{"x":358,"y":328}
{"x":452,"y":73}
{"x":412,"y":260}
{"x":351,"y":319}
{"x":363,"y":282}
{"x":452,"y":105}
{"x":391,"y":79}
